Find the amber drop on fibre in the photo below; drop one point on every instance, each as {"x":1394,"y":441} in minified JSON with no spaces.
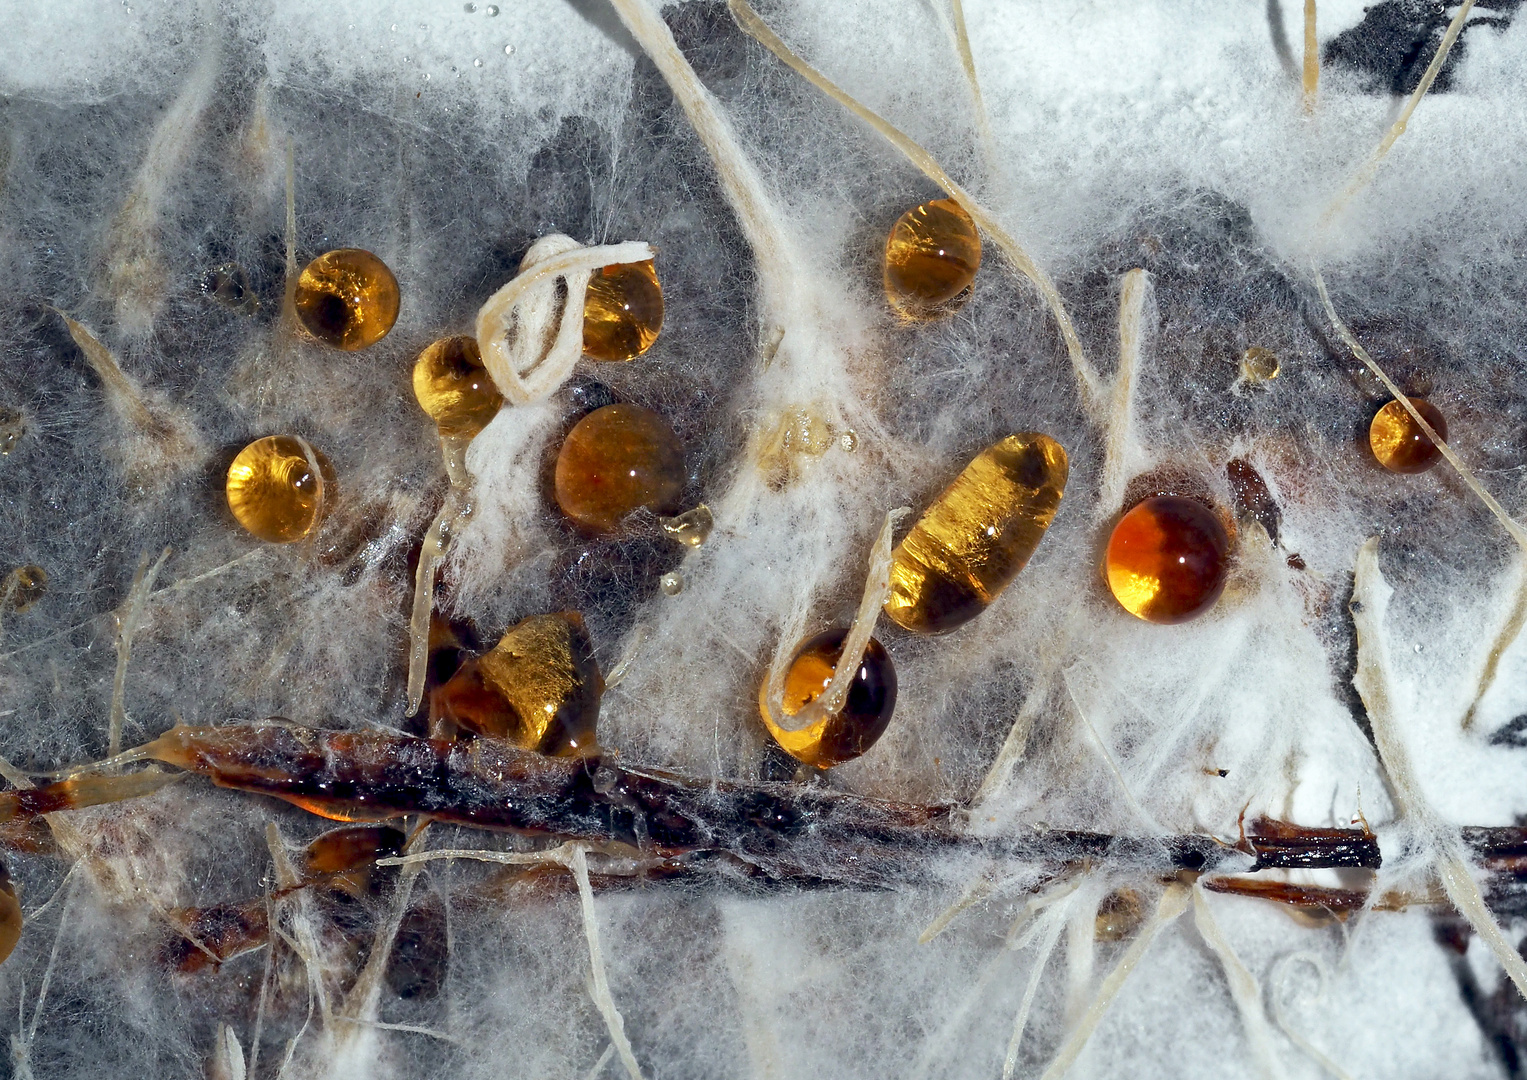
{"x":1398,"y":441}
{"x":931,"y":257}
{"x":352,"y":847}
{"x":274,"y":491}
{"x":454,"y":388}
{"x":347,"y":298}
{"x":1120,"y":914}
{"x":622,"y":311}
{"x":10,"y":914}
{"x":1168,"y":559}
{"x":977,"y":535}
{"x":616,"y":460}
{"x":538,"y":688}
{"x":23,"y":587}
{"x":866,"y":710}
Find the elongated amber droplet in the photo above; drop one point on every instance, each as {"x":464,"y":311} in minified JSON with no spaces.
{"x":346,"y":855}
{"x":977,"y":535}
{"x":1168,"y":559}
{"x":454,"y":388}
{"x":931,"y":257}
{"x":10,"y":914}
{"x":866,"y":711}
{"x":622,"y":311}
{"x":347,"y":298}
{"x":273,"y":490}
{"x":538,"y":688}
{"x":23,"y":587}
{"x":1398,"y":441}
{"x":616,"y":460}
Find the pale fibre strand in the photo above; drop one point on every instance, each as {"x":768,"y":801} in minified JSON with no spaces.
{"x":1052,"y":922}
{"x":606,"y":1004}
{"x":127,"y":626}
{"x":1136,"y":309}
{"x":1279,"y":984}
{"x":1243,"y":986}
{"x":1174,"y":901}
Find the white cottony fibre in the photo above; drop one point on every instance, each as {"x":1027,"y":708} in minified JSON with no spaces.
{"x":1155,"y":162}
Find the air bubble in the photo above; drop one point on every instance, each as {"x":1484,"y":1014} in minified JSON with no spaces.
{"x":492,"y":9}
{"x":393,"y":28}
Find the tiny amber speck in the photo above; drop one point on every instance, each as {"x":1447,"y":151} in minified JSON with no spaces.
{"x":977,"y":535}
{"x":1259,"y":364}
{"x":866,"y":711}
{"x":23,"y":587}
{"x":931,"y":257}
{"x":273,"y":490}
{"x":454,"y":388}
{"x":538,"y":688}
{"x":347,"y":298}
{"x":616,"y":460}
{"x":1398,"y":441}
{"x":622,"y":311}
{"x":1167,"y":559}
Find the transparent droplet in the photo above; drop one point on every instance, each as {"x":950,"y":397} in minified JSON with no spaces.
{"x":692,"y":527}
{"x":672,"y":583}
{"x":491,"y":9}
{"x":508,"y":50}
{"x":469,"y":8}
{"x":393,"y":28}
{"x":477,"y":62}
{"x":849,"y":441}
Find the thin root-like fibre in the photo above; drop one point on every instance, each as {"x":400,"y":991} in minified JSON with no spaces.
{"x":1052,"y":923}
{"x":1311,"y":79}
{"x":127,"y":625}
{"x":1243,"y":986}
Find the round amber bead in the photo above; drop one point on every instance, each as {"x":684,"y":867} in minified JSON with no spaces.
{"x":931,"y":257}
{"x":273,"y":490}
{"x":347,"y":298}
{"x":866,"y":711}
{"x":454,"y":388}
{"x":1398,"y":441}
{"x":1168,"y":559}
{"x":616,"y":460}
{"x":622,"y":311}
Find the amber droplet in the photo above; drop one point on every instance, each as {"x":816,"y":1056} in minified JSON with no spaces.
{"x":274,"y":491}
{"x":866,"y":711}
{"x":228,"y":285}
{"x":616,"y":460}
{"x":977,"y":535}
{"x":346,"y":855}
{"x":622,"y":311}
{"x":1119,"y":915}
{"x":692,"y":527}
{"x":1252,"y":498}
{"x":454,"y":388}
{"x":1398,"y":441}
{"x":538,"y":688}
{"x":347,"y":298}
{"x":210,"y":936}
{"x":1259,"y":364}
{"x":13,"y":426}
{"x":931,"y":257}
{"x":10,"y":914}
{"x":1168,"y":559}
{"x":23,"y":587}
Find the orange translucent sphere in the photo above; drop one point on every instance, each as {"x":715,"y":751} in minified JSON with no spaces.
{"x":616,"y":460}
{"x":866,"y":711}
{"x":1397,"y":440}
{"x":1168,"y":559}
{"x":622,"y":311}
{"x":347,"y":298}
{"x":931,"y":257}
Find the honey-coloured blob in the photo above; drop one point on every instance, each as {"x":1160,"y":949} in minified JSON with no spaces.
{"x":622,"y":311}
{"x":1120,"y":914}
{"x":23,"y":587}
{"x":866,"y":711}
{"x":1259,"y":365}
{"x":273,"y":490}
{"x":1398,"y":441}
{"x":10,"y":915}
{"x":13,"y":426}
{"x":347,"y":298}
{"x":1168,"y":559}
{"x":616,"y":460}
{"x":346,"y":855}
{"x":538,"y":688}
{"x":931,"y":257}
{"x":692,"y":527}
{"x":454,"y":388}
{"x":977,"y":535}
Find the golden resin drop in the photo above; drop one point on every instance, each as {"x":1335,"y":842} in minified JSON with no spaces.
{"x":23,"y":587}
{"x":347,"y":298}
{"x":348,"y":854}
{"x":865,"y":714}
{"x":616,"y":460}
{"x":977,"y":535}
{"x":1168,"y":559}
{"x":1259,"y":364}
{"x":454,"y":388}
{"x":1398,"y":441}
{"x":622,"y":311}
{"x":931,"y":257}
{"x":538,"y":688}
{"x":273,"y":490}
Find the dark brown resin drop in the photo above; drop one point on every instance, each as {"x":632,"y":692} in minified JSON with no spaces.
{"x":866,"y":711}
{"x":1168,"y":559}
{"x":1398,"y":442}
